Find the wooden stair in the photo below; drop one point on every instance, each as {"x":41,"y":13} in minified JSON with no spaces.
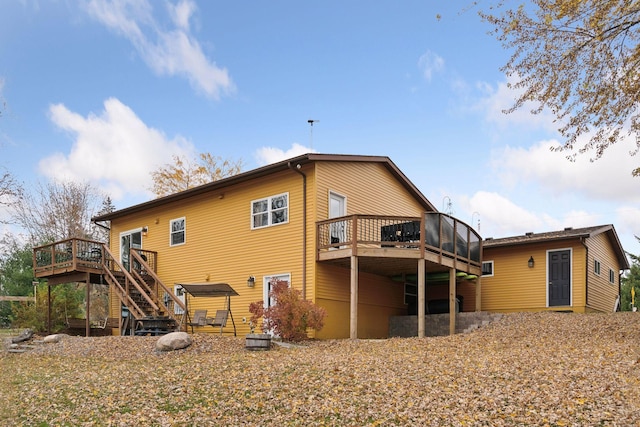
{"x":138,"y":291}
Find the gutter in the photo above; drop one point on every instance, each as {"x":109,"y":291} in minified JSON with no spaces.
{"x":296,"y":169}
{"x":102,"y":225}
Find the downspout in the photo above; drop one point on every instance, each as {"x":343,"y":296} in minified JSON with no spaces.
{"x":586,"y":274}
{"x":296,"y":168}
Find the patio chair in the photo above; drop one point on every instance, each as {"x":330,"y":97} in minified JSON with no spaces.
{"x":219,"y":320}
{"x":199,"y":319}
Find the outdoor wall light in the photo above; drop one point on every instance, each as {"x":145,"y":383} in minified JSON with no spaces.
{"x":531,"y":262}
{"x":145,"y":230}
{"x":251,"y":281}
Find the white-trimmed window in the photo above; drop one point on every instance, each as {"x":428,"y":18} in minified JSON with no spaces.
{"x":612,"y":276}
{"x":177,"y":230}
{"x":596,"y":267}
{"x":410,"y":293}
{"x":269,"y":211}
{"x":487,"y":268}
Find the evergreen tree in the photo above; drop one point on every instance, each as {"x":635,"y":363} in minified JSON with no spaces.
{"x":631,"y":281}
{"x":16,"y":279}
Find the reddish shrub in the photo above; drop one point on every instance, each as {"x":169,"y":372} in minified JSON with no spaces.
{"x":290,"y":316}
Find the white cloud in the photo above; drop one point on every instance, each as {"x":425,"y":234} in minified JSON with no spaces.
{"x":172,"y":52}
{"x":430,"y":63}
{"x":501,"y":217}
{"x":628,"y":220}
{"x":608,"y":178}
{"x":268,"y":155}
{"x":496,"y":100}
{"x":181,"y":13}
{"x":115,"y":150}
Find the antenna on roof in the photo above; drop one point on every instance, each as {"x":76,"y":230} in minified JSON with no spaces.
{"x":472,"y":215}
{"x":311,"y":122}
{"x":449,"y":206}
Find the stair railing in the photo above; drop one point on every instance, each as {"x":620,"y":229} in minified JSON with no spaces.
{"x":129,"y":281}
{"x":158,"y":285}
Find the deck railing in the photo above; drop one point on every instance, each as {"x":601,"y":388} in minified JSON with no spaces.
{"x":443,"y":235}
{"x":70,"y":254}
{"x":73,"y":255}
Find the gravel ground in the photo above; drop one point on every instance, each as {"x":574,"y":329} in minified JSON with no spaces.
{"x":554,"y":369}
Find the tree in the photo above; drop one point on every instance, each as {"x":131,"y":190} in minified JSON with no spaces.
{"x":290,"y":316}
{"x":10,"y":192}
{"x":58,"y":211}
{"x":66,"y":303}
{"x":631,"y":280}
{"x":580,"y":59}
{"x":16,"y":277}
{"x":101,"y":233}
{"x":183,"y":173}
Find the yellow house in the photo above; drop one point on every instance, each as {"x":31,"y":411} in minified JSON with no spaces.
{"x":340,"y":228}
{"x":570,"y":270}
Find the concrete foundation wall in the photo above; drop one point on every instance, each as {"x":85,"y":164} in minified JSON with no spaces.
{"x":438,"y":324}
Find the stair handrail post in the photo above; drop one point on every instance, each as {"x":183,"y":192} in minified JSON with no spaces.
{"x":133,"y":282}
{"x":159,"y":283}
{"x":120,"y":291}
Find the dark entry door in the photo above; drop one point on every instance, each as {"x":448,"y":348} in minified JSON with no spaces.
{"x":559,"y":278}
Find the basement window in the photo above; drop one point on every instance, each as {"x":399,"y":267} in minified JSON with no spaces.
{"x":410,"y":293}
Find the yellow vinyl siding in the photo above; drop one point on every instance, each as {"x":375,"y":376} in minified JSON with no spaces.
{"x":601,"y":293}
{"x":516,"y":287}
{"x":369,"y":187}
{"x":378,"y":299}
{"x":220,"y":244}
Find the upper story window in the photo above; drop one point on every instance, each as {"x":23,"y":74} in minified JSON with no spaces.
{"x":270,"y":211}
{"x":177,"y":230}
{"x":596,"y":267}
{"x":612,"y":276}
{"x":487,"y":268}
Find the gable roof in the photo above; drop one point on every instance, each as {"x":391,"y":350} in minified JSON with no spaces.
{"x":267,"y":170}
{"x":566,"y":234}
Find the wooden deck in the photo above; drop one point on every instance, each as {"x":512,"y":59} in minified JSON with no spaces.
{"x":68,"y":257}
{"x":390,"y":245}
{"x":138,"y":287}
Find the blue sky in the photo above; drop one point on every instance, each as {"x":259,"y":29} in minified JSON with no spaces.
{"x":106,"y":91}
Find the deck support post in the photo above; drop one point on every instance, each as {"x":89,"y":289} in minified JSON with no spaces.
{"x":353,"y":317}
{"x":452,"y":301}
{"x":421,"y":297}
{"x":478,"y":294}
{"x":87,"y":319}
{"x":48,"y":308}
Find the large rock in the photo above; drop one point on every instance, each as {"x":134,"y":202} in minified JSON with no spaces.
{"x":173,"y":341}
{"x":49,"y":339}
